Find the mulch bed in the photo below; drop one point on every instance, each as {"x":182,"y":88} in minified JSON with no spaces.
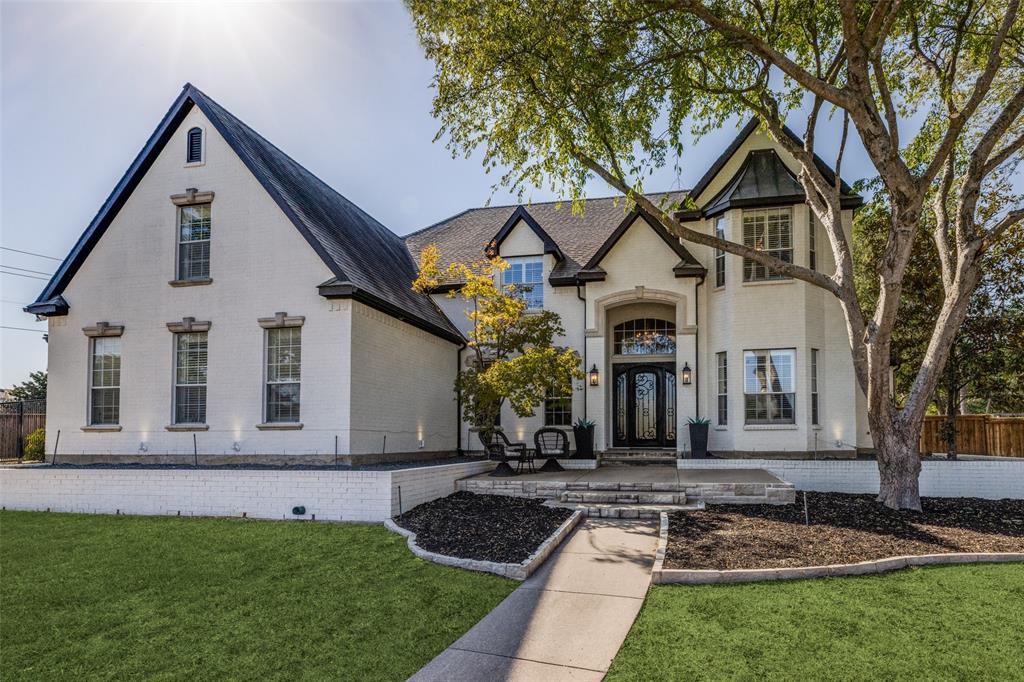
{"x":483,"y":527}
{"x":843,"y":529}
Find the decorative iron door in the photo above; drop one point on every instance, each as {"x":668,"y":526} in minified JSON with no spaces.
{"x":643,"y":405}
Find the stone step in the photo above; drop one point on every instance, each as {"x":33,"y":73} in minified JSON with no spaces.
{"x":632,"y":461}
{"x":627,"y":511}
{"x":623,"y":497}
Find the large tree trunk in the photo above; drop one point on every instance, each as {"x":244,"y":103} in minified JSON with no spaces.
{"x":899,"y":462}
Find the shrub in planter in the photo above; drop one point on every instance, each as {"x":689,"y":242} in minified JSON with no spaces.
{"x":583,"y":430}
{"x":698,"y":437}
{"x":35,"y":445}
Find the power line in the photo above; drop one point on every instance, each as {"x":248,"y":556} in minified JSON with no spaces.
{"x":14,"y":267}
{"x":18,"y":274}
{"x":23,"y":329}
{"x":29,"y":253}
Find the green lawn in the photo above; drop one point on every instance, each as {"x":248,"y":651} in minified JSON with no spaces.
{"x":120,"y":597}
{"x":948,"y":623}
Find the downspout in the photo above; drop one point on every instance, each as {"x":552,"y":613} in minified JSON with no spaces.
{"x":696,"y":345}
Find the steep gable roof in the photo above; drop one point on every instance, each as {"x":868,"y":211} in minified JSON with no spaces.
{"x":465,"y":236}
{"x":522,"y":215}
{"x":688,"y":266}
{"x":370,"y":263}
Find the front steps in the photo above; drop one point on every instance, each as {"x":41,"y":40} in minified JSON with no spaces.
{"x":638,"y":458}
{"x":625,"y":510}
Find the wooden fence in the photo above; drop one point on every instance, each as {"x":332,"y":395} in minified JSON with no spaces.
{"x":977,"y":434}
{"x":17,"y":420}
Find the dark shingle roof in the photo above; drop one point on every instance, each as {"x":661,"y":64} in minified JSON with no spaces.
{"x":464,"y":236}
{"x":368,"y":259}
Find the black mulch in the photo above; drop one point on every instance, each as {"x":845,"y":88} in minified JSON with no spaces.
{"x":843,"y":529}
{"x":484,"y":527}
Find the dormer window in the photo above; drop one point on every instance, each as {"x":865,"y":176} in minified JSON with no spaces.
{"x":194,"y":153}
{"x":525,"y":278}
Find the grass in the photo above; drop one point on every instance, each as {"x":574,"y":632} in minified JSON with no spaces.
{"x":964,"y":622}
{"x":121,"y":597}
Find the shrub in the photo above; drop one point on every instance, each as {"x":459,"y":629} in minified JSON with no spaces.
{"x":35,"y":445}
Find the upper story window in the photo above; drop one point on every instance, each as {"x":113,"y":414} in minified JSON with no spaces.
{"x":768,"y":230}
{"x":719,"y":254}
{"x":105,"y":381}
{"x":644,"y":336}
{"x":194,"y":150}
{"x":769,"y":391}
{"x":194,"y":242}
{"x":525,"y":277}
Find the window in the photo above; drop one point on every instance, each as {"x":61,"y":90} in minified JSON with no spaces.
{"x":719,"y":254}
{"x":194,"y":153}
{"x":768,"y":386}
{"x":525,"y":277}
{"x":190,"y":356}
{"x":644,"y":337}
{"x":557,"y":410}
{"x":723,"y":389}
{"x":814,"y":386}
{"x":767,"y":230}
{"x":194,"y":242}
{"x":284,"y":365}
{"x":812,"y":254}
{"x":105,"y":381}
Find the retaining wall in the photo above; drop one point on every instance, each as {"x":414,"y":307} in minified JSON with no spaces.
{"x":991,"y":479}
{"x":330,"y":495}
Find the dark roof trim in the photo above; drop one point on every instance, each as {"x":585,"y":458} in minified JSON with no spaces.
{"x":521,"y":214}
{"x":49,"y":308}
{"x":791,"y":200}
{"x":335,"y":288}
{"x":752,"y":125}
{"x":128,"y":182}
{"x":592,"y":270}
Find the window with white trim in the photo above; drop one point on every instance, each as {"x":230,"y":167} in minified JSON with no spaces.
{"x":723,"y":388}
{"x":557,"y":410}
{"x":194,"y":146}
{"x":525,"y":278}
{"x":284,"y":370}
{"x":194,"y":242}
{"x":105,"y":381}
{"x":769,"y":230}
{"x":719,"y":254}
{"x":769,"y":391}
{"x":814,"y":386}
{"x":190,"y":359}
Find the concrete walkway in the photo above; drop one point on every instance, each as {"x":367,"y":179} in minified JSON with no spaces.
{"x":568,"y":620}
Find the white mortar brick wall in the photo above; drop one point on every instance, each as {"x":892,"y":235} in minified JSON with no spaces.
{"x":366,"y":496}
{"x":991,"y":479}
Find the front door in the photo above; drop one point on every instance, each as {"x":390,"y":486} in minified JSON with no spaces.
{"x":644,"y":406}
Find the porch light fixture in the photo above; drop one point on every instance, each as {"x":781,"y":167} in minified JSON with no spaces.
{"x":595,"y":376}
{"x":687,"y":374}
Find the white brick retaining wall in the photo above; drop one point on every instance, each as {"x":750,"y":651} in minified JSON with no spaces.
{"x":991,"y":479}
{"x":369,"y":496}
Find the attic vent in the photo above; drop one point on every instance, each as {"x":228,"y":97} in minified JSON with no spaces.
{"x":195,"y":146}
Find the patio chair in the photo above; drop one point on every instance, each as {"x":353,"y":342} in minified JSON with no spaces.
{"x":500,"y":449}
{"x":551,"y":444}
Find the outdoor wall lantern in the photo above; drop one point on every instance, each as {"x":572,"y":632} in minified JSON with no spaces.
{"x":687,"y":374}
{"x":595,"y":376}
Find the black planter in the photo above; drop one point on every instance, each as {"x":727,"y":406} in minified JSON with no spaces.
{"x":584,"y":442}
{"x":699,"y":441}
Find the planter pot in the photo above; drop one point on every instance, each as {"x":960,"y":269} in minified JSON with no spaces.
{"x":584,"y":442}
{"x":699,"y":440}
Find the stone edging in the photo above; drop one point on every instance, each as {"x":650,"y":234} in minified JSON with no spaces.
{"x":664,"y":576}
{"x":519,"y":571}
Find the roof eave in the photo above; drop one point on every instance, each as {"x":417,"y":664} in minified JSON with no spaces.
{"x":53,"y":307}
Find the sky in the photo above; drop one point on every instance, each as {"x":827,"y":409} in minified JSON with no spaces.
{"x":342,"y":87}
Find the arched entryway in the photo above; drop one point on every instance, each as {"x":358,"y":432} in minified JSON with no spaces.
{"x":644,"y":381}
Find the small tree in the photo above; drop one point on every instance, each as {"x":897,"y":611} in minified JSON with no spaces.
{"x":514,"y":356}
{"x":33,"y":389}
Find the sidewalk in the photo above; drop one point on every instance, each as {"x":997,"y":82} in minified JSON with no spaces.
{"x":568,"y":620}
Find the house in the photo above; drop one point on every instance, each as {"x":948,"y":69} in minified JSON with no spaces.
{"x":225,"y":301}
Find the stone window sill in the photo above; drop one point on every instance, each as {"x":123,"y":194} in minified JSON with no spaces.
{"x":771,"y":427}
{"x":187,"y":427}
{"x":279,"y":426}
{"x":190,"y":282}
{"x":100,"y":428}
